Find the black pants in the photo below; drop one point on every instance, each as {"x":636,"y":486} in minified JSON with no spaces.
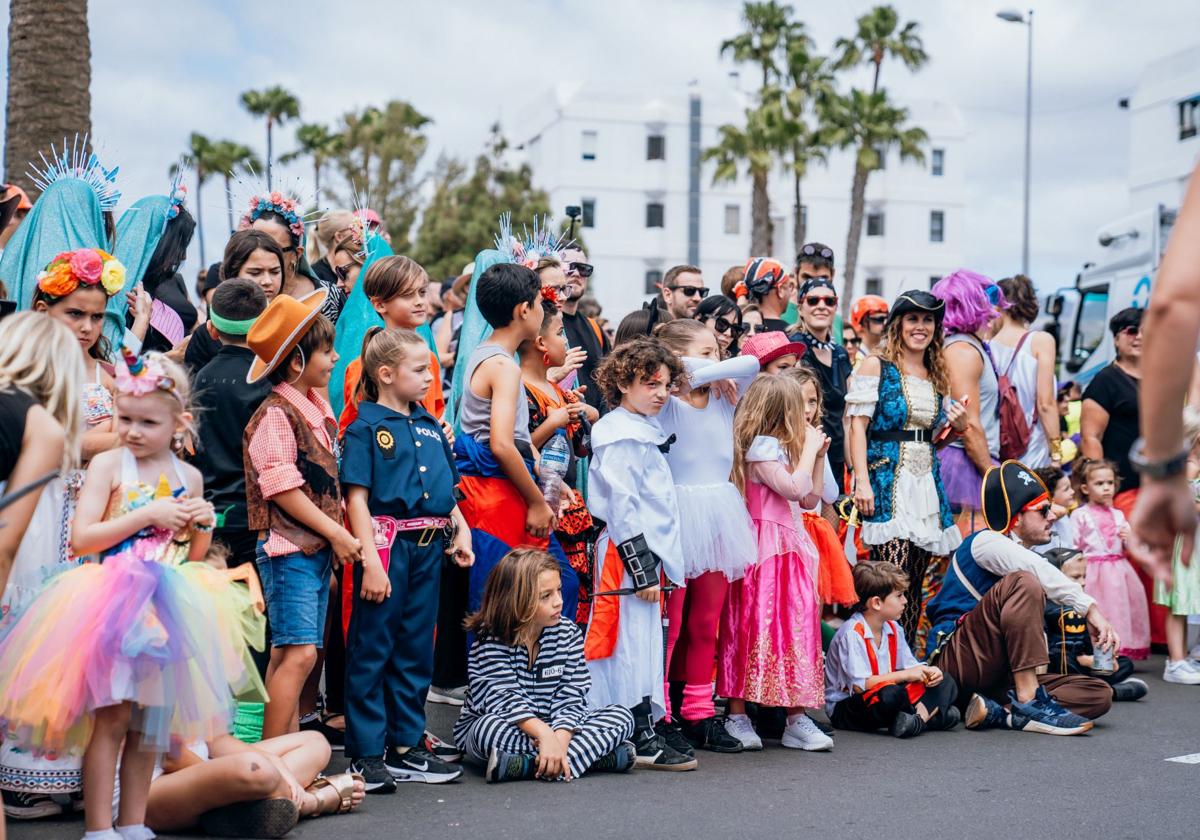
{"x":856,"y":714}
{"x":450,"y":651}
{"x":242,"y":545}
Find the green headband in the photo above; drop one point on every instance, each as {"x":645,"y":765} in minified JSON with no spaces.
{"x":230,"y":327}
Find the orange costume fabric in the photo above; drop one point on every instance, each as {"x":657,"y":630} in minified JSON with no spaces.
{"x":434,"y":402}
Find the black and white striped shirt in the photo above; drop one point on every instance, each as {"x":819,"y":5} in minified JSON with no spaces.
{"x":502,"y":683}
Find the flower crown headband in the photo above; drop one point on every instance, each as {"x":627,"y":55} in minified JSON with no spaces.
{"x":279,"y":203}
{"x":84,"y":266}
{"x":139,"y":375}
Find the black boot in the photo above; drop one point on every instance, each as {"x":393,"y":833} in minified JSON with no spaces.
{"x":710,"y":734}
{"x":654,"y":753}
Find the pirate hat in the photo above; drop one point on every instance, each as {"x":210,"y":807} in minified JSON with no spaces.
{"x":1007,"y":490}
{"x":917,"y":300}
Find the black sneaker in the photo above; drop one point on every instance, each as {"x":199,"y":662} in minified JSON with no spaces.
{"x":620,"y":760}
{"x":444,"y":750}
{"x":335,"y":737}
{"x":510,"y":767}
{"x":375,"y":775}
{"x":417,"y":764}
{"x":906,"y":725}
{"x":654,"y":753}
{"x":1129,"y":690}
{"x":29,"y":806}
{"x":945,"y":720}
{"x":709,"y":734}
{"x":670,"y":732}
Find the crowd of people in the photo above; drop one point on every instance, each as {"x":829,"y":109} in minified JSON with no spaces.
{"x":272,"y":516}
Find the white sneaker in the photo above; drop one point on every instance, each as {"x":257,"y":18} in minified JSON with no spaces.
{"x":740,"y":727}
{"x":1183,"y":672}
{"x":804,"y":735}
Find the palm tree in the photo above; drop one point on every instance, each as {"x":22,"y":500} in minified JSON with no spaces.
{"x":49,"y":81}
{"x":877,"y":39}
{"x":869,"y":124}
{"x":229,"y":158}
{"x":278,"y":106}
{"x":767,"y":26}
{"x":201,"y":155}
{"x":755,"y":146}
{"x":318,"y":142}
{"x":811,"y":84}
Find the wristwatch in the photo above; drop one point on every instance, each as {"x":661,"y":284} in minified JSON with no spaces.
{"x":1156,"y":469}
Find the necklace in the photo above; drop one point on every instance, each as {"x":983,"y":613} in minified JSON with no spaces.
{"x":814,"y":342}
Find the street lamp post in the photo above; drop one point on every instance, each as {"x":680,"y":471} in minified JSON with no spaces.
{"x":1013,"y":16}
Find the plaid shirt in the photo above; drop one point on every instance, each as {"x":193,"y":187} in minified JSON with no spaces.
{"x":273,"y":450}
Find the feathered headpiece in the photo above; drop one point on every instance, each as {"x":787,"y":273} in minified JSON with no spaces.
{"x":287,"y":201}
{"x":83,"y":266}
{"x":540,"y":243}
{"x":78,"y":162}
{"x":138,"y":375}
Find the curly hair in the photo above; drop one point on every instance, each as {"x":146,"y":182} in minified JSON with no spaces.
{"x":893,"y":350}
{"x":637,"y":358}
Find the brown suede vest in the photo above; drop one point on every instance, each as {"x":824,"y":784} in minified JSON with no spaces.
{"x":317,"y":465}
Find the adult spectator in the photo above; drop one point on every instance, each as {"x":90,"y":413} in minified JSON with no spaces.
{"x":581,"y":330}
{"x":682,"y":290}
{"x":721,"y":315}
{"x":829,"y":360}
{"x":729,"y":281}
{"x":332,"y":228}
{"x":987,"y":620}
{"x":972,"y":315}
{"x":14,"y":207}
{"x":1108,"y":424}
{"x":445,"y":327}
{"x":1028,"y":357}
{"x":767,"y":286}
{"x":868,"y":318}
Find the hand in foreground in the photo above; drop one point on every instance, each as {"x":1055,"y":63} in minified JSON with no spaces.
{"x":1165,"y":510}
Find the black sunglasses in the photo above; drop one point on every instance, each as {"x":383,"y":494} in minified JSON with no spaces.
{"x":877,"y":319}
{"x":821,"y":300}
{"x":723,"y":325}
{"x":852,"y":342}
{"x":1130,"y":330}
{"x":690,"y":291}
{"x":753,"y":329}
{"x":1044,"y":510}
{"x":581,"y":269}
{"x":342,"y":271}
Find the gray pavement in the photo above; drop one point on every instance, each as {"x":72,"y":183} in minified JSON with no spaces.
{"x":1113,"y":783}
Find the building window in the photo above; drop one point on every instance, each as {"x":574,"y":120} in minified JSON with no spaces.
{"x":656,"y":147}
{"x":938,"y":162}
{"x":875,"y":223}
{"x":881,"y":153}
{"x":733,"y":218}
{"x":653,"y":281}
{"x":933,"y":279}
{"x":588,"y":206}
{"x":654,"y":214}
{"x":588,"y":145}
{"x":874,"y":286}
{"x":1189,"y":117}
{"x":803,"y":214}
{"x":937,"y":226}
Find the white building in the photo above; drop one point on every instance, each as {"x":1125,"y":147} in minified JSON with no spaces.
{"x":631,"y":160}
{"x":1164,"y":130}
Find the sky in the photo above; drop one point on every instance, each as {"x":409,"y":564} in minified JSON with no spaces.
{"x":164,"y":70}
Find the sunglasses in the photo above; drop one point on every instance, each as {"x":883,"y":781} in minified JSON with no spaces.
{"x":1130,"y":331}
{"x":724,"y":325}
{"x":753,"y":329}
{"x":343,"y":272}
{"x":690,"y":291}
{"x":1044,"y":510}
{"x":820,"y":300}
{"x":877,"y":319}
{"x":852,"y":342}
{"x":812,"y":250}
{"x":580,"y":269}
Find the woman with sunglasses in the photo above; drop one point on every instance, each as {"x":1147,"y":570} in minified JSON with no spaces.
{"x":721,"y":315}
{"x":898,"y":402}
{"x":829,"y":360}
{"x":973,"y":307}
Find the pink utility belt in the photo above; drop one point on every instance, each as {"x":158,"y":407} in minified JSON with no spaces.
{"x":421,"y":530}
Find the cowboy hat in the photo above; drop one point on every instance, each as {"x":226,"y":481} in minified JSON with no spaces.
{"x":279,"y":329}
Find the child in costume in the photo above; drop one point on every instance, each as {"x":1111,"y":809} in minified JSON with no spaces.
{"x":1062,"y":500}
{"x":293,"y":494}
{"x":714,"y":528}
{"x":1103,"y":535}
{"x":1182,"y":597}
{"x":770,"y":638}
{"x":527,"y":713}
{"x":399,"y":478}
{"x":551,"y":410}
{"x":124,"y":650}
{"x":898,"y":694}
{"x":631,"y":489}
{"x":835,"y":581}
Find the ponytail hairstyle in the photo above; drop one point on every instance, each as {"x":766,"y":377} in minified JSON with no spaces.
{"x":383,"y":348}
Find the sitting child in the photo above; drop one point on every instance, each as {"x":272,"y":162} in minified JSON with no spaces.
{"x":1068,"y":639}
{"x":907,"y":698}
{"x":526,"y":712}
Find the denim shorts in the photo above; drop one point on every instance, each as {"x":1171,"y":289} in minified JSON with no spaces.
{"x":296,"y":589}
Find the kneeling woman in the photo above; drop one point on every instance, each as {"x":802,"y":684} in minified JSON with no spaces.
{"x":898,"y":405}
{"x":527,"y":711}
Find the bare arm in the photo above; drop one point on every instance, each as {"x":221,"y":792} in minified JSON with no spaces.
{"x":504,"y":383}
{"x":1093,"y":420}
{"x":965,"y":367}
{"x":1047,"y":400}
{"x":41,"y":452}
{"x":91,"y":533}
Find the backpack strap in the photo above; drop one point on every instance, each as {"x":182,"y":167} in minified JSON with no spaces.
{"x":1016,"y":350}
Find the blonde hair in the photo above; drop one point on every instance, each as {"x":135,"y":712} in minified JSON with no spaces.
{"x":892,"y":349}
{"x":383,"y":348}
{"x":178,"y":397}
{"x":41,"y":357}
{"x":770,"y":407}
{"x":806,"y":376}
{"x":679,"y":333}
{"x":510,"y":598}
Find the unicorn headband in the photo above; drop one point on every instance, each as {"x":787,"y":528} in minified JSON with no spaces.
{"x":78,"y":162}
{"x":138,"y":376}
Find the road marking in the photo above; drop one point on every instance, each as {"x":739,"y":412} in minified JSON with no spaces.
{"x":1192,"y":758}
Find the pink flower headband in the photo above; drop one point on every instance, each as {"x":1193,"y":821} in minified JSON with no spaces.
{"x":138,"y":376}
{"x":279,"y":203}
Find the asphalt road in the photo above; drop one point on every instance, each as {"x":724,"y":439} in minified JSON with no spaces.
{"x":1113,"y":783}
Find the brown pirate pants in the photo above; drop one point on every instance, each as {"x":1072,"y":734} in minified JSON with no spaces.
{"x":1003,"y":634}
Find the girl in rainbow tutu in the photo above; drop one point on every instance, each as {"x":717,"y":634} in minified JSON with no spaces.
{"x":114,"y":659}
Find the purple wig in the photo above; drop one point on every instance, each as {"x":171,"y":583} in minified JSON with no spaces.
{"x":971,"y":300}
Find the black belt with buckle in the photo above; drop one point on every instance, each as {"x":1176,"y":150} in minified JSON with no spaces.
{"x":424,"y":536}
{"x":903,"y":435}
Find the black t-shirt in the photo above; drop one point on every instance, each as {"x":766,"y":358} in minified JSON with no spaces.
{"x":833,"y":397}
{"x":202,"y":348}
{"x":778,"y":325}
{"x":14,"y":407}
{"x":1117,"y":393}
{"x":580,"y":333}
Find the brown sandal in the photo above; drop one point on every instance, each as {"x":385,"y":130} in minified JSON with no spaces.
{"x":343,"y":785}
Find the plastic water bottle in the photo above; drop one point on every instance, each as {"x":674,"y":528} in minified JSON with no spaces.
{"x":556,"y":456}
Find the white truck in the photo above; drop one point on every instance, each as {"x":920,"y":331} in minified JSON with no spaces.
{"x":1131,"y":249}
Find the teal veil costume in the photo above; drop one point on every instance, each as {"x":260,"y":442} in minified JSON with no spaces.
{"x":139,"y":231}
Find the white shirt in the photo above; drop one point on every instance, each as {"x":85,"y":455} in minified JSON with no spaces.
{"x":1001,"y":555}
{"x":847,"y":665}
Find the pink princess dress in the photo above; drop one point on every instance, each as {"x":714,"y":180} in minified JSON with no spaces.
{"x":770,"y":639}
{"x":1111,"y":579}
{"x":135,"y":627}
